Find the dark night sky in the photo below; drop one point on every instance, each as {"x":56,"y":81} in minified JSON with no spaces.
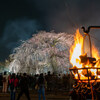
{"x":19,"y":19}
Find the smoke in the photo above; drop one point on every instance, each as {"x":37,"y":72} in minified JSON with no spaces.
{"x":15,"y":31}
{"x":67,"y":15}
{"x":57,"y":15}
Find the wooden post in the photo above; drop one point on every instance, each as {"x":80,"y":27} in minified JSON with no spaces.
{"x":92,"y":91}
{"x":88,"y":76}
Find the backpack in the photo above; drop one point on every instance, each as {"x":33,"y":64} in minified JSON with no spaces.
{"x":4,"y":79}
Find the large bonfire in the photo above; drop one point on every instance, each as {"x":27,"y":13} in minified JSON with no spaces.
{"x":45,"y":51}
{"x":81,"y":60}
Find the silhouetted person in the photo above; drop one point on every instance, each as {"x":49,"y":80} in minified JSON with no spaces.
{"x":41,"y":85}
{"x":49,"y":81}
{"x":1,"y":83}
{"x":24,"y":87}
{"x":13,"y":81}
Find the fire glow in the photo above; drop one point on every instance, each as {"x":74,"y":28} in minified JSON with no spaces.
{"x":84,"y":67}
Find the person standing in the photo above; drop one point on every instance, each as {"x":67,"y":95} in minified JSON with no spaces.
{"x":1,"y":83}
{"x":49,"y":81}
{"x":41,"y":85}
{"x":13,"y":84}
{"x":5,"y":82}
{"x":24,"y":87}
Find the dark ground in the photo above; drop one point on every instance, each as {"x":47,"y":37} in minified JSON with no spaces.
{"x":58,"y":95}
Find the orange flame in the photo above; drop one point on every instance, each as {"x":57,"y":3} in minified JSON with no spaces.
{"x":76,"y":49}
{"x":76,"y":61}
{"x":95,"y":53}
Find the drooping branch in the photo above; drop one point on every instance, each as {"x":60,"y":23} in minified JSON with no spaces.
{"x":45,"y":51}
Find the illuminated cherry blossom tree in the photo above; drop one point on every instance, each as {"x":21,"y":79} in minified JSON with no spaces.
{"x":45,"y":51}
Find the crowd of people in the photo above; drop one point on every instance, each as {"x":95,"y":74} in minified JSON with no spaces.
{"x":22,"y":83}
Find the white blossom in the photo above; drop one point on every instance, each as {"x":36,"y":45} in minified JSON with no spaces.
{"x":45,"y":51}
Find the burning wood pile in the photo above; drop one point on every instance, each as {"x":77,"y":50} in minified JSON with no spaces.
{"x":86,"y":68}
